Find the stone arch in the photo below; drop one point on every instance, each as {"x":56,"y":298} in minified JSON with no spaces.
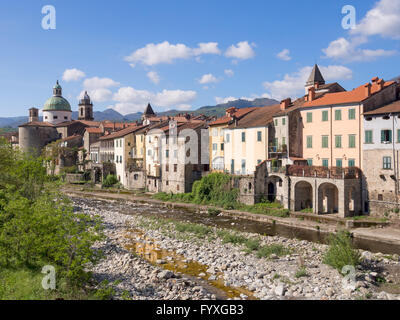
{"x":303,"y":196}
{"x":328,"y":198}
{"x":273,"y":184}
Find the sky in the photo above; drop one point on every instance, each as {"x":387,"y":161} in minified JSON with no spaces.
{"x":181,"y":54}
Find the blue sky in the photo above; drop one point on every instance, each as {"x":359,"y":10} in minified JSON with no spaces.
{"x":128,"y":53}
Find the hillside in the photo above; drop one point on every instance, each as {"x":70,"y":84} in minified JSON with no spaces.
{"x":112,"y":115}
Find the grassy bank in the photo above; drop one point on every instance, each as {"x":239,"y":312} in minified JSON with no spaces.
{"x":38,"y":228}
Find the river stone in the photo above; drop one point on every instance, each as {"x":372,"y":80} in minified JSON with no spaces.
{"x":280,"y":290}
{"x":166,"y":274}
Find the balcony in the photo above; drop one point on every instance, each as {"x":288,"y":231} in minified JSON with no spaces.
{"x":278,"y":150}
{"x":324,"y":172}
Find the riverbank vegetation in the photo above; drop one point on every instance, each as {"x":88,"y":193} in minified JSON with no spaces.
{"x":38,"y":228}
{"x":216,"y":190}
{"x":341,"y":251}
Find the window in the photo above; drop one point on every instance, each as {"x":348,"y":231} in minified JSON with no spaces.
{"x":309,"y":117}
{"x":386,"y":136}
{"x":352,"y":140}
{"x":339,"y":163}
{"x":309,"y":142}
{"x":368,"y":136}
{"x":175,"y":167}
{"x":167,"y":153}
{"x":243,"y":166}
{"x":259,"y":136}
{"x":283,"y":121}
{"x":338,"y":141}
{"x":177,"y":187}
{"x":352,"y":163}
{"x":325,"y":142}
{"x":310,"y":162}
{"x":215,"y":132}
{"x":222,"y":147}
{"x":215,"y":147}
{"x":228,"y":137}
{"x":55,"y":117}
{"x":398,"y":136}
{"x":338,"y":114}
{"x":325,"y":163}
{"x":167,"y":183}
{"x":283,"y":141}
{"x":325,"y":115}
{"x":149,"y":152}
{"x":387,"y":162}
{"x":276,"y":122}
{"x":167,"y":167}
{"x":352,"y":114}
{"x":166,"y":140}
{"x":120,"y":159}
{"x":243,"y":136}
{"x":276,"y":142}
{"x":232,"y":166}
{"x":65,"y":118}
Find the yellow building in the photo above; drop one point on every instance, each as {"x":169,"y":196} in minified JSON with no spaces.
{"x":216,"y":133}
{"x":247,"y":140}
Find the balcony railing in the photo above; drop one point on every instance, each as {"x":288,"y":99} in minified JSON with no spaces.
{"x":324,"y":172}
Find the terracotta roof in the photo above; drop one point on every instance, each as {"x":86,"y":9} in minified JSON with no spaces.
{"x":72,"y":138}
{"x":121,"y":133}
{"x":94,"y":130}
{"x":356,"y":95}
{"x":394,"y":107}
{"x":119,"y":125}
{"x":91,"y":123}
{"x":238,"y":114}
{"x":258,"y":118}
{"x":36,"y":124}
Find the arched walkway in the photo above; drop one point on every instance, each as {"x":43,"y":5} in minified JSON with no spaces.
{"x":328,"y":198}
{"x":303,"y":196}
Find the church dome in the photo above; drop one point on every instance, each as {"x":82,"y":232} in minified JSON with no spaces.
{"x":57,"y":102}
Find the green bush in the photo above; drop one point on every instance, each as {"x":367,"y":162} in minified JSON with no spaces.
{"x":37,"y":224}
{"x":341,"y":252}
{"x":197,"y":229}
{"x":253,"y":244}
{"x":301,"y":272}
{"x":267,"y":251}
{"x":110,"y":181}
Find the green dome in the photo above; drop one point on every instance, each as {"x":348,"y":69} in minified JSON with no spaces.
{"x":57,"y":103}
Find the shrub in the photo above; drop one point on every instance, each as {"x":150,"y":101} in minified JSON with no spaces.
{"x":252,"y":244}
{"x":266,"y":251}
{"x":110,"y":181}
{"x":341,"y":252}
{"x":228,"y":237}
{"x":196,"y":229}
{"x":302,"y":272}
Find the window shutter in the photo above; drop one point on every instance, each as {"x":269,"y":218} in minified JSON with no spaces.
{"x":382,"y":135}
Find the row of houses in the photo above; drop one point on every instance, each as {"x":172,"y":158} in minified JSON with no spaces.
{"x":330,"y":151}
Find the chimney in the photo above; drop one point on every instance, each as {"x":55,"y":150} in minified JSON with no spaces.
{"x":311,"y":94}
{"x":285,"y":103}
{"x":367,"y":90}
{"x":381,"y":84}
{"x":230,"y":111}
{"x":375,"y":79}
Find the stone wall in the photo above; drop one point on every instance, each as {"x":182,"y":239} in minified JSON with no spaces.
{"x":74,"y":177}
{"x":136,"y":180}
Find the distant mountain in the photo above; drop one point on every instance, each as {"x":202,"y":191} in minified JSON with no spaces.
{"x":112,"y":115}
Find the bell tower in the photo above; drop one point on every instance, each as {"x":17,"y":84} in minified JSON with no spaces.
{"x":33,"y":115}
{"x":85,"y":108}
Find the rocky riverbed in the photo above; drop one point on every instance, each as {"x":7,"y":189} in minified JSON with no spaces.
{"x":218,"y":269}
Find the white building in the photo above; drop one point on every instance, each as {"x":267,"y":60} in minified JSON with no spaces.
{"x":57,"y":109}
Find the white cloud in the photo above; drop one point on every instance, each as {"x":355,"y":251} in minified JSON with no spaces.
{"x":229,"y":72}
{"x":208,"y":78}
{"x":154,"y":77}
{"x":284,"y":55}
{"x":129,"y":99}
{"x":98,"y":88}
{"x":293,"y":84}
{"x":73,"y":75}
{"x":153,"y":54}
{"x":348,"y":51}
{"x":98,"y":95}
{"x":383,"y":19}
{"x":221,"y":100}
{"x":243,"y":50}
